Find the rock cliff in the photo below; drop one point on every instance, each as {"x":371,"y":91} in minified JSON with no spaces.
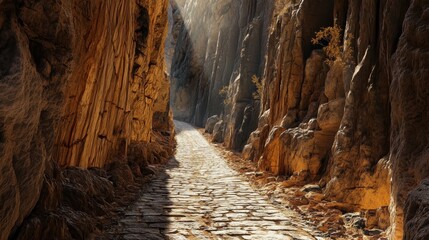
{"x":353,"y":120}
{"x":82,"y":84}
{"x":212,"y":58}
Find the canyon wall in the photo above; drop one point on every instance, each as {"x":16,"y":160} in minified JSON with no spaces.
{"x":209,"y":58}
{"x":82,"y":83}
{"x":409,"y":142}
{"x":355,"y":121}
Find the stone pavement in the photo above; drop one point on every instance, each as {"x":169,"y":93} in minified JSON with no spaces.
{"x":200,"y":197}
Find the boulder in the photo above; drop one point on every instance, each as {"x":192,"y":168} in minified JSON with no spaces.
{"x":211,"y":122}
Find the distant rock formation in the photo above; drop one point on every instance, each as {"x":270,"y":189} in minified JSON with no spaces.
{"x":220,"y":46}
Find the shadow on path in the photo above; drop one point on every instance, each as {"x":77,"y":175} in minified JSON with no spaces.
{"x":148,"y":217}
{"x":198,"y":196}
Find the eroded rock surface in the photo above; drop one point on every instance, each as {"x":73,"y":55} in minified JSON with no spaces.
{"x":82,"y":83}
{"x":408,"y":152}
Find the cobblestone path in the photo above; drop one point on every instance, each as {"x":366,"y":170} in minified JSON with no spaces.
{"x":200,"y":197}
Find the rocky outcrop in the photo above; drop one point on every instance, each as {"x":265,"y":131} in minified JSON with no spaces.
{"x":83,"y":84}
{"x":352,"y":123}
{"x":351,"y":127}
{"x":353,"y":109}
{"x":302,"y":97}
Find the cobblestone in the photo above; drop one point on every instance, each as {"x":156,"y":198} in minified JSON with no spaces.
{"x":200,"y":197}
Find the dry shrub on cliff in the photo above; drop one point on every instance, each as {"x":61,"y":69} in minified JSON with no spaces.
{"x":334,"y":49}
{"x":259,"y":87}
{"x":223,"y":92}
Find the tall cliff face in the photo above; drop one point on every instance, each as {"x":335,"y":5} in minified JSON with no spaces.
{"x":211,"y":57}
{"x":81,"y":81}
{"x":99,"y":114}
{"x":352,"y":123}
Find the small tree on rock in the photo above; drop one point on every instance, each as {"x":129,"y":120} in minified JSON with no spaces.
{"x":259,"y":87}
{"x":334,"y":49}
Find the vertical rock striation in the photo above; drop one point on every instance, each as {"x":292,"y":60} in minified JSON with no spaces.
{"x":112,"y":96}
{"x":210,"y":57}
{"x":81,"y":81}
{"x":294,"y":91}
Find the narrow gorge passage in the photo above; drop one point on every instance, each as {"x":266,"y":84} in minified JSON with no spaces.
{"x":200,"y":197}
{"x":320,"y":106}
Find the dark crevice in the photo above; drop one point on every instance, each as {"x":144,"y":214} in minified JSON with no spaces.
{"x":37,"y":52}
{"x":318,"y":15}
{"x":395,"y":42}
{"x":101,"y":136}
{"x":8,"y":49}
{"x":2,"y":133}
{"x":142,"y":30}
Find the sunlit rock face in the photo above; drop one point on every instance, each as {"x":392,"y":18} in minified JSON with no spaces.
{"x":294,"y":91}
{"x":351,"y":125}
{"x":111,"y":98}
{"x":341,"y":133}
{"x":80,"y":81}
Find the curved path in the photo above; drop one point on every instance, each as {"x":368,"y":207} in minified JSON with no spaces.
{"x":200,"y":197}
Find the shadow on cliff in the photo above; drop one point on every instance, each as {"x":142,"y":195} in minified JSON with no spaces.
{"x":190,"y":86}
{"x":214,"y":64}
